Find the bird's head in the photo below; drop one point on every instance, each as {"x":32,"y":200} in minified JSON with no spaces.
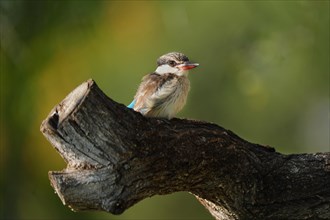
{"x":174,"y":62}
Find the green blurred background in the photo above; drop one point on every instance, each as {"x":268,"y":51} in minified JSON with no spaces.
{"x":264,"y":74}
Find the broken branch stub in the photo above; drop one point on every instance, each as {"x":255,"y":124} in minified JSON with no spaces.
{"x":116,"y":157}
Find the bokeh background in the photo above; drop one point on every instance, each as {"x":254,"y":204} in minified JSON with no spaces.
{"x":264,"y":74}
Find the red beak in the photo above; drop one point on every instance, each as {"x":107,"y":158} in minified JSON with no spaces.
{"x":188,"y":66}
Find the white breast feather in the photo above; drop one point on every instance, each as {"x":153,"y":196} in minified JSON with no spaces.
{"x":171,"y":98}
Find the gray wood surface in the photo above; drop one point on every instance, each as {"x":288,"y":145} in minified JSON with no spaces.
{"x":116,"y":157}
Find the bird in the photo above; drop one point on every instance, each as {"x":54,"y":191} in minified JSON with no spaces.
{"x":163,"y":93}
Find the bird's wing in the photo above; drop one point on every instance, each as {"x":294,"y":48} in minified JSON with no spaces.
{"x":153,"y":91}
{"x":132,"y":104}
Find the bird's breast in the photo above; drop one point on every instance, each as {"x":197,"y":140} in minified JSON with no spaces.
{"x":177,"y":97}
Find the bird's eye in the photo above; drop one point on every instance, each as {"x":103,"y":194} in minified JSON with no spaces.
{"x":172,"y":63}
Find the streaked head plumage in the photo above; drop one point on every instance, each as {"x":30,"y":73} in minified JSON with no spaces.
{"x":172,"y":58}
{"x":175,"y":63}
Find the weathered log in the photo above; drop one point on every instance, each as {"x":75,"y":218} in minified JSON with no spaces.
{"x":117,"y":157}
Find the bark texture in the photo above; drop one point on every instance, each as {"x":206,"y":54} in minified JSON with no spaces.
{"x":116,"y":157}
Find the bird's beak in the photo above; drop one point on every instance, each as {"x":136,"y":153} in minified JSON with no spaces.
{"x":187,"y":66}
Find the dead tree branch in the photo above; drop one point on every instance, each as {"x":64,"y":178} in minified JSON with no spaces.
{"x":116,"y":157}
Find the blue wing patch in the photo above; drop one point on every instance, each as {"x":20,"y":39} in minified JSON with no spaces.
{"x":132,"y":104}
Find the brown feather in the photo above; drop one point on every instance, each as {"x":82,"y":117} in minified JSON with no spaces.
{"x":159,"y":91}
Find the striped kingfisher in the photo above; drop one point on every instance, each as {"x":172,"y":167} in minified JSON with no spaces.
{"x":164,"y":92}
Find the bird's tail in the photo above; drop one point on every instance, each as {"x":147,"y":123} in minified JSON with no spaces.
{"x":132,"y":104}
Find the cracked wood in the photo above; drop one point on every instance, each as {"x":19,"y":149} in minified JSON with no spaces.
{"x":116,"y":157}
